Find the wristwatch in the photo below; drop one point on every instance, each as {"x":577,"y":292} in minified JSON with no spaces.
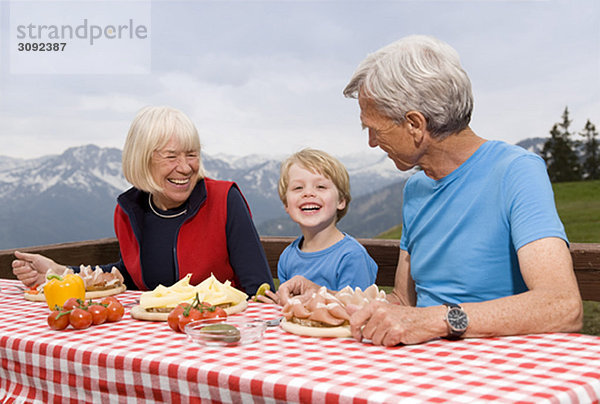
{"x":457,"y":320}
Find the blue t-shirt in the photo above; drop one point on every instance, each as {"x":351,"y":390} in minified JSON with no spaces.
{"x":346,"y":263}
{"x":463,"y":231}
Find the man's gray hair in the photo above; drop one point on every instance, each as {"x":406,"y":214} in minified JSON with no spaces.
{"x":417,"y":73}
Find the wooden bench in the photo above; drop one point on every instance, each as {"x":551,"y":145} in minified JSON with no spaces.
{"x":586,"y":258}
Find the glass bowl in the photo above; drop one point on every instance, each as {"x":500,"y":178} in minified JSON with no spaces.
{"x":225,"y":331}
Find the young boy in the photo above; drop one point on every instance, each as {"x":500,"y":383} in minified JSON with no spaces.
{"x":315,"y":190}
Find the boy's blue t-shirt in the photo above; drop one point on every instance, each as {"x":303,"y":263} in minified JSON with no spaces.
{"x":346,"y":263}
{"x":463,"y":231}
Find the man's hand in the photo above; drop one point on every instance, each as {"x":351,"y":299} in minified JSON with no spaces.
{"x":391,"y":324}
{"x":298,"y":285}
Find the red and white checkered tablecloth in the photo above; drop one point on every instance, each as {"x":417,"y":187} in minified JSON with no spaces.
{"x":135,"y":361}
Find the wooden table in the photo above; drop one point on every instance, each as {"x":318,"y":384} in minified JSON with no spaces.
{"x":137,"y":361}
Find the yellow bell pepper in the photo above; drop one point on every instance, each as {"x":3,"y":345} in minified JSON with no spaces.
{"x":59,"y":289}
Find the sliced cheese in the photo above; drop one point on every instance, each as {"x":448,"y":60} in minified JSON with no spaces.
{"x":163,"y":296}
{"x":210,"y":290}
{"x":214,"y":292}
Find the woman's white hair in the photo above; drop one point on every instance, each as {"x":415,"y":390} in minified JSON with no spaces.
{"x":417,"y":73}
{"x":151,"y":129}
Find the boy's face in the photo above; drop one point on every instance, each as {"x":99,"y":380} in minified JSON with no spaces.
{"x":312,"y":199}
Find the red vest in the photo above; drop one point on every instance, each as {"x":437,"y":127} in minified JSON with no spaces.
{"x":201,"y":242}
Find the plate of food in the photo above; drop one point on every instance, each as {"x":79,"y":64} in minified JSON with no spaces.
{"x":156,"y":305}
{"x":98,"y":284}
{"x":325,"y":314}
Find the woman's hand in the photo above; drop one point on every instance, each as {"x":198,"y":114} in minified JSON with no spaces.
{"x":31,"y":268}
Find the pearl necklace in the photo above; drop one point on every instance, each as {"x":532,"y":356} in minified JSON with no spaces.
{"x":183,"y":212}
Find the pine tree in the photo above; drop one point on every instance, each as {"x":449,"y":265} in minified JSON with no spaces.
{"x":591,"y":152}
{"x":558,"y":152}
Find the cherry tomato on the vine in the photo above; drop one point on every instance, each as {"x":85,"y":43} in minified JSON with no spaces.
{"x":58,"y":323}
{"x":173,"y":318}
{"x":109,"y":299}
{"x":209,"y":311}
{"x":99,"y":313}
{"x":80,"y":318}
{"x":71,"y":303}
{"x":115,"y":309}
{"x":185,"y":313}
{"x":205,"y":305}
{"x":220,"y":312}
{"x":193,"y":315}
{"x":80,"y":314}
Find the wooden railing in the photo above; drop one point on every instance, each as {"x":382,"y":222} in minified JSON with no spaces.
{"x":586,"y":258}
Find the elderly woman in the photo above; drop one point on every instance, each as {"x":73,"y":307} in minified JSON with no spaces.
{"x":483,"y":251}
{"x":174,"y":220}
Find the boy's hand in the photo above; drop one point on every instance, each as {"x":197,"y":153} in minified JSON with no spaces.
{"x":298,"y":285}
{"x":268,"y":297}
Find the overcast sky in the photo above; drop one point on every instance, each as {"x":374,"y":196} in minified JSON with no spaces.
{"x":266,"y":77}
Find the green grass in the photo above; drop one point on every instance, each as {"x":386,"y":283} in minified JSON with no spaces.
{"x":394,"y":233}
{"x":591,"y":318}
{"x":578,"y":205}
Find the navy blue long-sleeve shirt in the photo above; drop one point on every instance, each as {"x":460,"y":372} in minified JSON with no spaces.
{"x":246,"y":256}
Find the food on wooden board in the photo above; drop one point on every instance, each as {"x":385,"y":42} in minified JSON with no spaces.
{"x":97,"y":283}
{"x":326,"y":314}
{"x":156,"y":305}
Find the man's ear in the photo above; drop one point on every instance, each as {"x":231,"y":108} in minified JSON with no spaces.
{"x":417,"y":125}
{"x":416,"y":120}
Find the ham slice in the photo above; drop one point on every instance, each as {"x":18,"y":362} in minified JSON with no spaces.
{"x":94,"y":279}
{"x":323,"y":308}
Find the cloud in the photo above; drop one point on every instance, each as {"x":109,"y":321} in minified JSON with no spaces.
{"x":267,"y":76}
{"x":112,"y":102}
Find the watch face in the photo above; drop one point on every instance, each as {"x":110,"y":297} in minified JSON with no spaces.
{"x":457,"y":319}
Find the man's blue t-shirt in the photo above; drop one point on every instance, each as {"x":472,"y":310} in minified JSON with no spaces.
{"x":463,"y":231}
{"x":346,"y":263}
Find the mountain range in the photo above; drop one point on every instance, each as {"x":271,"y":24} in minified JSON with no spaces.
{"x":71,"y":196}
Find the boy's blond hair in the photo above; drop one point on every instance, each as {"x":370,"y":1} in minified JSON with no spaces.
{"x":320,"y":162}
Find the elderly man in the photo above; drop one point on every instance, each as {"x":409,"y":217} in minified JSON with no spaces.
{"x":483,"y":251}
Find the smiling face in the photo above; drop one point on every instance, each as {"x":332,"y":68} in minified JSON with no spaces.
{"x":176,"y":172}
{"x":312,"y":200}
{"x":391,"y":137}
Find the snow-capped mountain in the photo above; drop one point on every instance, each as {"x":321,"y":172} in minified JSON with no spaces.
{"x":71,"y":197}
{"x":85,"y":168}
{"x":11,"y":163}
